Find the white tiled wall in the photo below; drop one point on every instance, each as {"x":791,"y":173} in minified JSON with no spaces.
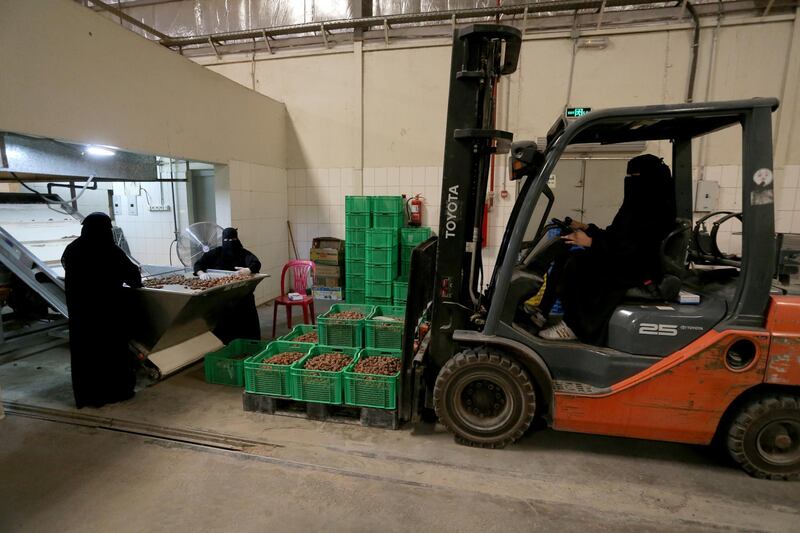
{"x":259,"y":209}
{"x":729,"y":178}
{"x":148,"y":233}
{"x":316,"y":203}
{"x":787,"y":199}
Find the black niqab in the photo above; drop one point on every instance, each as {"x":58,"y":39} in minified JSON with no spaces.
{"x":96,"y":229}
{"x":95,"y":269}
{"x":239,"y":321}
{"x":231,"y":246}
{"x":593,"y":282}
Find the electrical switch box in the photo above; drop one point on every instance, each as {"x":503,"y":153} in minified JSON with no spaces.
{"x":118,"y":202}
{"x":133,"y":205}
{"x":706,"y":197}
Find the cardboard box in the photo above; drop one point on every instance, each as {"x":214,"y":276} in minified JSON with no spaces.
{"x":328,"y":271}
{"x":327,"y":251}
{"x":327,"y":242}
{"x":334,"y":281}
{"x":328,"y":293}
{"x":327,"y":256}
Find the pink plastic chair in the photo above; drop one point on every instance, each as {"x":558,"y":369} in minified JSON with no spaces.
{"x":299,"y":270}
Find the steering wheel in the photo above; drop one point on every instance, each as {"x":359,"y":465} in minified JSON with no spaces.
{"x":563,"y":225}
{"x":555,"y":223}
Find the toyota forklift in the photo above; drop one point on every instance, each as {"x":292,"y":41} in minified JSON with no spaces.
{"x":725,"y":368}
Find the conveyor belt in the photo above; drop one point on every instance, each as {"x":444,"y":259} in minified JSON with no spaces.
{"x":32,"y":239}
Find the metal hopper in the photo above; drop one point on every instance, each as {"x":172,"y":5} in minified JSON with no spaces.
{"x":168,"y":319}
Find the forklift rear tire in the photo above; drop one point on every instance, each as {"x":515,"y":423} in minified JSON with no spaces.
{"x":764,"y":437}
{"x":485,"y":399}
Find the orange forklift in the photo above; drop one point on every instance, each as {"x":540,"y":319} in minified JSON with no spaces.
{"x":724,"y":368}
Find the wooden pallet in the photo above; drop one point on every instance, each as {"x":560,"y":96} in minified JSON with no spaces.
{"x":343,"y":414}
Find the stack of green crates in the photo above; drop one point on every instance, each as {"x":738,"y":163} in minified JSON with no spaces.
{"x":358,"y":219}
{"x":388,"y":216}
{"x":410,"y":238}
{"x":400,"y":291}
{"x":381,"y":265}
{"x":388,"y":212}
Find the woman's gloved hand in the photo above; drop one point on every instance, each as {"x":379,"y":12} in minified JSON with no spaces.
{"x":202,"y":275}
{"x":243,"y":271}
{"x":578,"y":225}
{"x":578,"y":238}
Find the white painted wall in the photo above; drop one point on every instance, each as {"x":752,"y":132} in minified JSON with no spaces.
{"x":397,"y":113}
{"x":70,"y":74}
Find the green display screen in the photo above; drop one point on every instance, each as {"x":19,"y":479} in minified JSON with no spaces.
{"x":575,"y":112}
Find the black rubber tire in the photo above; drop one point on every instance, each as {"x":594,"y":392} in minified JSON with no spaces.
{"x":746,"y":426}
{"x":505,"y":373}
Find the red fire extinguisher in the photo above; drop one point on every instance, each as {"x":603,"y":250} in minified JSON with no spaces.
{"x":414,"y":210}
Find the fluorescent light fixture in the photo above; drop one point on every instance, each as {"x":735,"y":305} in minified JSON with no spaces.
{"x":99,"y":151}
{"x":593,"y":42}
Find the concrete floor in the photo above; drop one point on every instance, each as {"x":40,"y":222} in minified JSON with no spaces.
{"x":296,"y":474}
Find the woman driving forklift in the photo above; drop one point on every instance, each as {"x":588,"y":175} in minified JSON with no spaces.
{"x":591,"y":282}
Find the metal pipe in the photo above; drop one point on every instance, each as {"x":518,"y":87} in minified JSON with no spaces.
{"x":695,"y":50}
{"x":406,"y":18}
{"x":712,"y":63}
{"x":129,"y":19}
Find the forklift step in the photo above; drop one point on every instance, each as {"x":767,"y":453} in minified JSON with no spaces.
{"x":341,"y":414}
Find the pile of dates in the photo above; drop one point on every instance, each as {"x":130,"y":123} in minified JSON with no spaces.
{"x":285,"y":358}
{"x":378,"y":364}
{"x":346,"y":315}
{"x":190,"y":283}
{"x":329,"y":362}
{"x":307,"y":337}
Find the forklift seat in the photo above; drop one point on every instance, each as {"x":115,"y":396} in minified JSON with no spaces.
{"x":674,"y":256}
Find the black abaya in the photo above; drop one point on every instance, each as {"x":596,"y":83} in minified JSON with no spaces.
{"x":240,"y":320}
{"x":592,"y":282}
{"x":103,"y":369}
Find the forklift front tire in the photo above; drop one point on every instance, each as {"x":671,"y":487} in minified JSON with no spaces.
{"x":764,"y":437}
{"x":484,"y":398}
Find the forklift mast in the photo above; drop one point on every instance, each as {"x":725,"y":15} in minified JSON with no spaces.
{"x":481,"y":54}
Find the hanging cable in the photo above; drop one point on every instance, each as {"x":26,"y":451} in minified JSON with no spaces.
{"x":49,"y":201}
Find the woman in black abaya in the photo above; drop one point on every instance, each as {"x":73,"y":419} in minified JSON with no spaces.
{"x":103,"y":368}
{"x":592,"y":282}
{"x":240,"y":321}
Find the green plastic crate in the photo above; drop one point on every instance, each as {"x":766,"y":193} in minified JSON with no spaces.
{"x":382,"y":255}
{"x":356,"y":282}
{"x":374,"y":301}
{"x":226,"y":365}
{"x":383,"y":334}
{"x":399,"y":302}
{"x":388,"y":220}
{"x":405,"y":260}
{"x":371,"y":390}
{"x":356,"y":295}
{"x":355,"y":236}
{"x":357,"y":220}
{"x":354,"y":252}
{"x":381,"y":272}
{"x":300,"y":329}
{"x":338,"y":332}
{"x":382,"y":238}
{"x":414,"y":236}
{"x":261,"y":377}
{"x":318,"y":386}
{"x":354,"y":267}
{"x":379,"y":289}
{"x":400,"y":289}
{"x":357,"y":204}
{"x":388,"y":204}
